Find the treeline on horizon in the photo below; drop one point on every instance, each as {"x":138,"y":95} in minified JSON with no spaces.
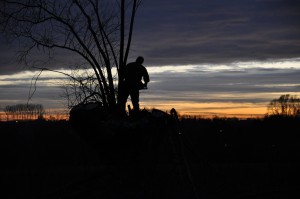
{"x":26,"y":112}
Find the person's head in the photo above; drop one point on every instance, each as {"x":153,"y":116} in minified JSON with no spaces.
{"x":139,"y":60}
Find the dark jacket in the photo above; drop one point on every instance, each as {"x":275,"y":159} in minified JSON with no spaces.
{"x":133,"y":75}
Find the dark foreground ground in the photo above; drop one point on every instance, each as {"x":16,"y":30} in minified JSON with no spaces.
{"x":211,"y":159}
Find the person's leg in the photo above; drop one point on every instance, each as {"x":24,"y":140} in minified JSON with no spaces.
{"x":124,"y":93}
{"x":135,"y":94}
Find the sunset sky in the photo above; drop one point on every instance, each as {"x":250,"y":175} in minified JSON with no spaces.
{"x":204,"y":57}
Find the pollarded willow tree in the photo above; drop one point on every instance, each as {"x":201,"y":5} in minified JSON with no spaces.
{"x":285,"y":106}
{"x":24,"y":112}
{"x":97,"y":32}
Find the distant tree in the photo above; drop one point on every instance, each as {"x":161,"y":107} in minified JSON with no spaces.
{"x":24,"y":112}
{"x":99,"y":32}
{"x":285,"y":105}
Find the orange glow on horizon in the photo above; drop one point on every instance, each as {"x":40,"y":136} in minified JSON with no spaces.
{"x":205,"y":110}
{"x":240,"y":110}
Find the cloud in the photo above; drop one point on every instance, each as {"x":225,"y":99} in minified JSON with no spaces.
{"x":194,"y":32}
{"x":182,"y":87}
{"x":19,"y":94}
{"x":176,"y":32}
{"x":255,"y":85}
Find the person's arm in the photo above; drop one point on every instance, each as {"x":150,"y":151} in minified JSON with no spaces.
{"x":146,"y":77}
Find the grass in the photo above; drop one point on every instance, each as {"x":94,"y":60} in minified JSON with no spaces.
{"x":226,"y":159}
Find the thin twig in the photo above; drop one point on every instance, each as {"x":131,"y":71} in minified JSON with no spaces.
{"x":33,"y":84}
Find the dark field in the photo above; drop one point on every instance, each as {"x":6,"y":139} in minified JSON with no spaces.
{"x":220,"y":158}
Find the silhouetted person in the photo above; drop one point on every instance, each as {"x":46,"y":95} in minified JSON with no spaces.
{"x":134,"y":73}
